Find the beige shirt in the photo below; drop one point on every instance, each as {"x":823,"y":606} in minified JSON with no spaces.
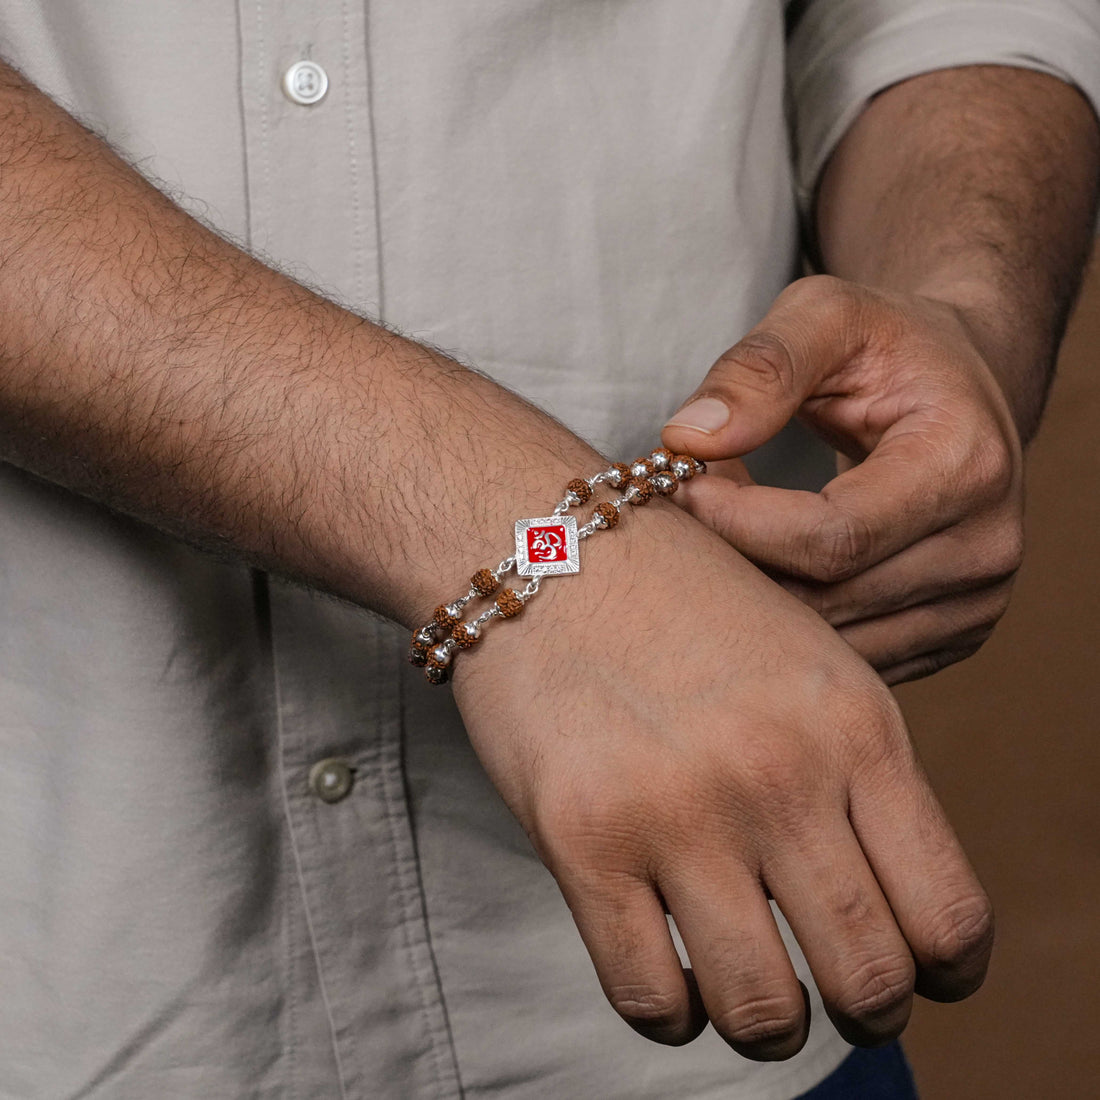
{"x":590,"y":200}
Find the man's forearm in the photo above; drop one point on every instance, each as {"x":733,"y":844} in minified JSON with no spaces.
{"x":152,"y":365}
{"x":977,"y":187}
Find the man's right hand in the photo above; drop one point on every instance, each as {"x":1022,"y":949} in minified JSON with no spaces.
{"x":673,"y":730}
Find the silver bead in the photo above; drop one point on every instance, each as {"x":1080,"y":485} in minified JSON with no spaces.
{"x":640,"y":469}
{"x":659,"y":460}
{"x":454,"y":610}
{"x":471,"y":630}
{"x":426,"y":635}
{"x":614,"y":477}
{"x":681,"y":468}
{"x":442,"y":654}
{"x":437,"y":675}
{"x":700,"y":466}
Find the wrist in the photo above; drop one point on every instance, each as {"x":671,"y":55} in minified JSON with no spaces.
{"x":545,"y":548}
{"x":646,"y":570}
{"x":1016,"y":345}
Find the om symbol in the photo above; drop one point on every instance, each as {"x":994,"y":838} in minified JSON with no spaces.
{"x":546,"y":544}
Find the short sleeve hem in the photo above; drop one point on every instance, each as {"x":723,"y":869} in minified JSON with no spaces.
{"x":843,"y":53}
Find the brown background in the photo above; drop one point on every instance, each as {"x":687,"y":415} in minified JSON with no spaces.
{"x":1012,"y":741}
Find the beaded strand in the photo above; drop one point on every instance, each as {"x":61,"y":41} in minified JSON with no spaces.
{"x":436,"y":642}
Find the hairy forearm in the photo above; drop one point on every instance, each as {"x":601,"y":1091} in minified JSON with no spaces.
{"x":976,"y":187}
{"x":148,"y":363}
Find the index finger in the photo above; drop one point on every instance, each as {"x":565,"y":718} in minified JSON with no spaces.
{"x":920,"y":479}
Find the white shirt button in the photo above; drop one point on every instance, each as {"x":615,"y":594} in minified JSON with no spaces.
{"x":305,"y":82}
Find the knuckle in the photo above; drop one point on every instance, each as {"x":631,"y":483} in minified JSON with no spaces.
{"x":839,"y":548}
{"x":777,"y":767}
{"x":962,"y":934}
{"x":995,"y":555}
{"x":587,"y":839}
{"x":823,"y":291}
{"x":993,"y":466}
{"x":877,"y":990}
{"x":764,"y":363}
{"x":646,"y":1006}
{"x":764,"y":1021}
{"x":873,"y":728}
{"x":834,"y":303}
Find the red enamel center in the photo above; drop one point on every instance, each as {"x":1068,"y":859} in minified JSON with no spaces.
{"x":546,"y":544}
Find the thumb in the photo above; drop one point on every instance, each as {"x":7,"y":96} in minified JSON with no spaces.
{"x":759,"y":384}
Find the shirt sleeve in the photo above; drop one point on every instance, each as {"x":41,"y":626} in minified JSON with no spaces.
{"x":842,"y":52}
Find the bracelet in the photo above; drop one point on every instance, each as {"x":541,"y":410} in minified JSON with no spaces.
{"x":545,"y":546}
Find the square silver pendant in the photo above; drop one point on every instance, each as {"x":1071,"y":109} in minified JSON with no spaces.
{"x":546,"y":546}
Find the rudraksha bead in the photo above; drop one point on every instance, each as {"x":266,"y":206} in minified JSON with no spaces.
{"x":509,"y":604}
{"x":661,"y":458}
{"x":579,"y":488}
{"x":418,"y":652}
{"x":483,"y":582}
{"x":620,"y":473}
{"x":665,"y":483}
{"x":466,"y":634}
{"x":445,"y":616}
{"x":638,"y":491}
{"x":606,"y":514}
{"x":685,"y":467}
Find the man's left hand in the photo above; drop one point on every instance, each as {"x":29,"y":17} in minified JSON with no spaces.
{"x":911,"y":550}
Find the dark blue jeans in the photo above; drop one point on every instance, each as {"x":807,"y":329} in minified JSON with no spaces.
{"x":881,"y":1074}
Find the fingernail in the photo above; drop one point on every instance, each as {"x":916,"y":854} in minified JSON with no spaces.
{"x":707,"y":414}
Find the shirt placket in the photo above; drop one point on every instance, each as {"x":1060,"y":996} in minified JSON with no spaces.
{"x":311,"y":202}
{"x":309,"y":142}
